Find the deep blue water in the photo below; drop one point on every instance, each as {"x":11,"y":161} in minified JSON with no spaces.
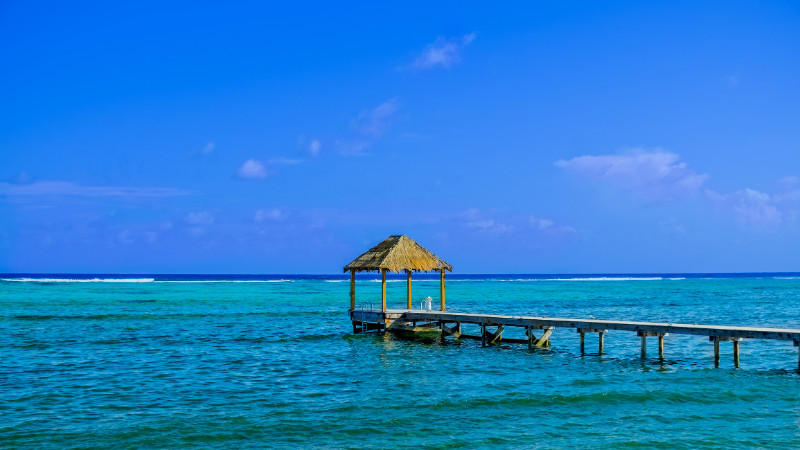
{"x":270,"y":361}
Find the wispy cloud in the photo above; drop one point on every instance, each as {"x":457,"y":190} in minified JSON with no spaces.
{"x":374,"y":122}
{"x":476,"y":219}
{"x":368,"y":127}
{"x":264,"y":215}
{"x":253,"y":168}
{"x":208,"y":148}
{"x":198,"y":221}
{"x":442,"y":53}
{"x":66,"y":188}
{"x":200,"y":218}
{"x":655,"y":175}
{"x":550,"y":226}
{"x":314,"y":147}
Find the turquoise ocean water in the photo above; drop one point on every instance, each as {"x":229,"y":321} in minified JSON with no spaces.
{"x":220,"y":361}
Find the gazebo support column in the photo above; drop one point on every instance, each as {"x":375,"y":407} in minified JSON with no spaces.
{"x":441,"y":290}
{"x":408,"y":290}
{"x":383,"y":290}
{"x":352,"y":290}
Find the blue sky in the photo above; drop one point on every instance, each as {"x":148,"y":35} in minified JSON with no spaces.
{"x":530,"y":137}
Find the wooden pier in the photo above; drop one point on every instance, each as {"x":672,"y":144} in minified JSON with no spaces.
{"x":492,"y":326}
{"x":400,"y":253}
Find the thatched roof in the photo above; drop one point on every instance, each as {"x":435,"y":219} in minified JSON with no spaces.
{"x":396,"y":254}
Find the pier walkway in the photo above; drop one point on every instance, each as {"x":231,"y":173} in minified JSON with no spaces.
{"x":449,"y":324}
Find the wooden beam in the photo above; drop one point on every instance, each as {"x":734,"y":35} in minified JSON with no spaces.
{"x":544,"y":341}
{"x":441,"y":290}
{"x":736,"y":353}
{"x":383,"y":290}
{"x":352,"y":289}
{"x":408,"y":290}
{"x":716,"y":351}
{"x":497,"y":335}
{"x":447,"y":331}
{"x":661,"y":346}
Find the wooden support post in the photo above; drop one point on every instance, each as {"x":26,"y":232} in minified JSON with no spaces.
{"x":408,"y":291}
{"x":531,"y":338}
{"x":441,"y":290}
{"x":383,"y":290}
{"x":352,"y":290}
{"x":644,"y":346}
{"x":661,"y":346}
{"x":583,"y":347}
{"x":736,"y":353}
{"x":600,"y":336}
{"x":797,"y":344}
{"x":483,"y":334}
{"x":716,"y":351}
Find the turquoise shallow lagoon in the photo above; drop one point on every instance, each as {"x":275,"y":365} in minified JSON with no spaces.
{"x":271,"y":362}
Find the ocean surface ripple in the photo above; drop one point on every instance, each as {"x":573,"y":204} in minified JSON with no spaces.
{"x":211,"y":361}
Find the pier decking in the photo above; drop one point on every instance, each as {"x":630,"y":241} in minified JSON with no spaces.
{"x":449,"y":324}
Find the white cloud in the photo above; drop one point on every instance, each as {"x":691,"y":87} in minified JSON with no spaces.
{"x":263,"y":215}
{"x":442,"y":53}
{"x":208,"y":148}
{"x":65,"y":188}
{"x":253,"y":169}
{"x":314,"y":147}
{"x":750,"y":207}
{"x":199,"y":218}
{"x":541,"y":224}
{"x":655,"y":175}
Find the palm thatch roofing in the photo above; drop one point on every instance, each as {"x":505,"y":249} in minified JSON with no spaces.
{"x":396,"y":254}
